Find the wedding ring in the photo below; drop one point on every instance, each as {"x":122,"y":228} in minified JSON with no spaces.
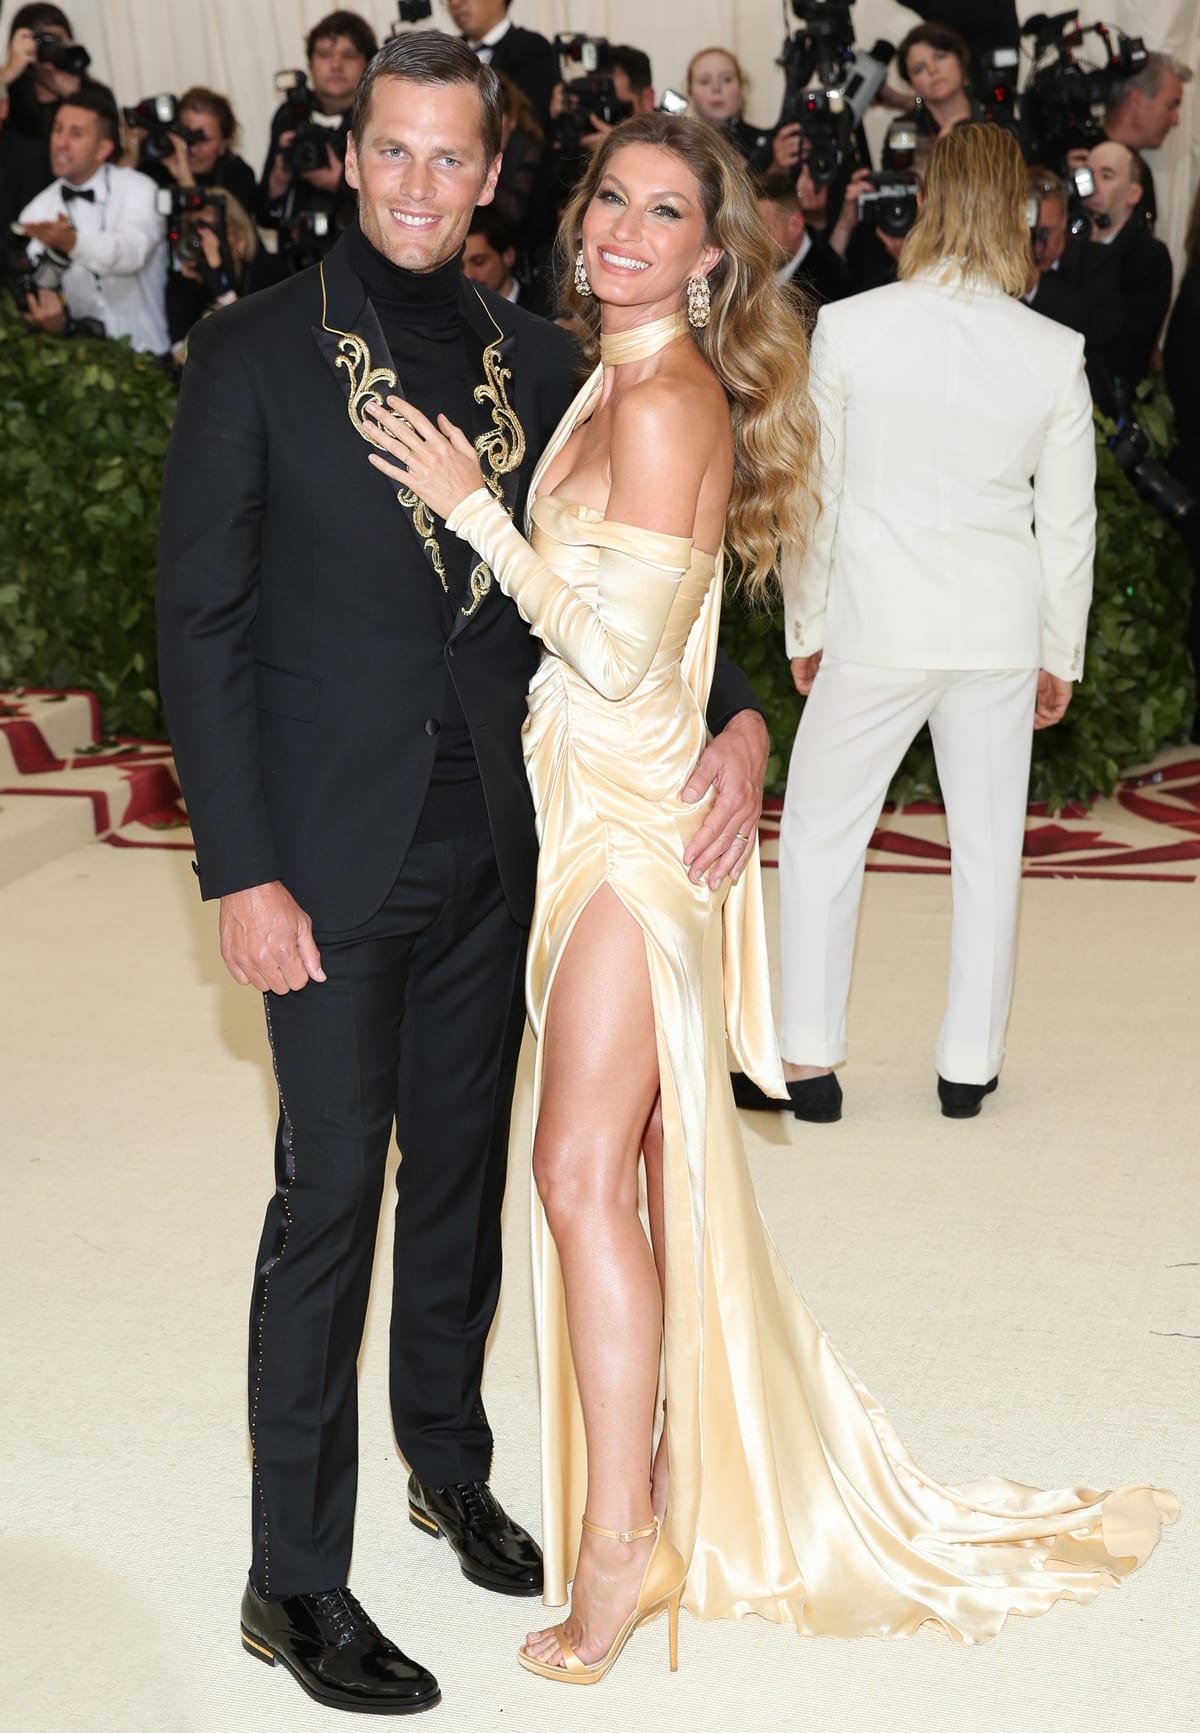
{"x":741,"y":836}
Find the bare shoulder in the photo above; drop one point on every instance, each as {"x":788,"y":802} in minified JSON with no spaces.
{"x":677,"y":404}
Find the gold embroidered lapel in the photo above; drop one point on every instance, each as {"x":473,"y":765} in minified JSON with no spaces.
{"x":501,"y":447}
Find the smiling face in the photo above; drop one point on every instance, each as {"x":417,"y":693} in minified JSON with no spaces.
{"x":935,"y":74}
{"x":644,"y":231}
{"x":420,"y":169}
{"x":714,"y":89}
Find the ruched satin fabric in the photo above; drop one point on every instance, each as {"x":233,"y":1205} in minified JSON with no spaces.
{"x":790,"y":1494}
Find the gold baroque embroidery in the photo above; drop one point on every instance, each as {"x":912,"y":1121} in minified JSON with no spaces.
{"x":502,"y":448}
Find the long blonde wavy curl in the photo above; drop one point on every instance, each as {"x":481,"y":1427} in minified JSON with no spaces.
{"x":754,"y":341}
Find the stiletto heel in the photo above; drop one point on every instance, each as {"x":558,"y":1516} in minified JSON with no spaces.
{"x":662,"y":1587}
{"x":673,"y":1616}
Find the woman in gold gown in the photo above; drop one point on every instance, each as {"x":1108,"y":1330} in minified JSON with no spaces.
{"x":788,"y":1495}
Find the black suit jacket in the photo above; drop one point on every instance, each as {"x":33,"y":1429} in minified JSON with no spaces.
{"x":24,"y":171}
{"x":1133,"y":272}
{"x":304,"y":638}
{"x":530,"y":61}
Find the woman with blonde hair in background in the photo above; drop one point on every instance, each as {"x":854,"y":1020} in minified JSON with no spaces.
{"x":777,"y":1486}
{"x":716,"y":88}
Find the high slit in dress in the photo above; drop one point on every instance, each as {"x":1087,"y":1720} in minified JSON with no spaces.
{"x":790,"y":1494}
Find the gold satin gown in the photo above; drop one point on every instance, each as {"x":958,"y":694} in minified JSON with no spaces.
{"x":790,"y":1494}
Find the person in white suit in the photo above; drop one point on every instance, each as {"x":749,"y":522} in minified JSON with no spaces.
{"x":947,"y":581}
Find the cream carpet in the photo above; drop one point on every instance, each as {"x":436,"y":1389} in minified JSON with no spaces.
{"x":1021,"y":1291}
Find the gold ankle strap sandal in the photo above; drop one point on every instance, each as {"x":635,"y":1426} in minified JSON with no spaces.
{"x":661,"y":1590}
{"x":650,"y":1527}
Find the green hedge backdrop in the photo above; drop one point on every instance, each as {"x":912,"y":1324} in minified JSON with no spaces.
{"x":84,"y":431}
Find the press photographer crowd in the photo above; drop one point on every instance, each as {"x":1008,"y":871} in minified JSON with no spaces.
{"x":136,"y":221}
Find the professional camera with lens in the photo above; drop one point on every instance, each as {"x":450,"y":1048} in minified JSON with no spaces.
{"x":848,"y":79}
{"x":185,"y":210}
{"x":308,"y":150}
{"x":1151,"y":481}
{"x":158,"y":118}
{"x":588,"y":90}
{"x":411,"y":12}
{"x":305,"y":238}
{"x":1062,"y":107}
{"x":26,"y":277}
{"x":63,"y":56}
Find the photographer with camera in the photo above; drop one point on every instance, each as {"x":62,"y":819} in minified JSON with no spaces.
{"x":522,"y":55}
{"x":935,"y":62}
{"x":216,"y":257}
{"x":194,"y":149}
{"x":878,"y":210}
{"x":100,"y":225}
{"x":305,"y":167}
{"x":1083,"y":295}
{"x":44,"y":66}
{"x":1126,"y":260}
{"x":23,"y":169}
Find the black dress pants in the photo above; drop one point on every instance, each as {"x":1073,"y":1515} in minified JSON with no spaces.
{"x":418,"y":1024}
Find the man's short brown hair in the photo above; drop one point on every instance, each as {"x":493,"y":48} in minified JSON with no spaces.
{"x":433,"y":57}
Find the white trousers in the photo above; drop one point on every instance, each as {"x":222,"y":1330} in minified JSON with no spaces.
{"x":857,"y":725}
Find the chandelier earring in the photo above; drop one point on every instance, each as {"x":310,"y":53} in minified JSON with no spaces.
{"x":699,"y":302}
{"x":582,"y":286}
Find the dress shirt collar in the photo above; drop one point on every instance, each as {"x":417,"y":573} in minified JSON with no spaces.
{"x":493,"y":36}
{"x":100,"y":184}
{"x":788,"y":271}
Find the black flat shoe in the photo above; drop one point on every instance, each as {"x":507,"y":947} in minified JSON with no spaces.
{"x":492,"y":1549}
{"x":963,"y":1100}
{"x":815,"y":1099}
{"x":336,"y":1653}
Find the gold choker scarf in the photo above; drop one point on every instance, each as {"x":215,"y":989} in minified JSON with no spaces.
{"x":643,"y":340}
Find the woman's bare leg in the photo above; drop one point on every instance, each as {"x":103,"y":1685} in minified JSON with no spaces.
{"x":652,"y":1151}
{"x":599,"y":1085}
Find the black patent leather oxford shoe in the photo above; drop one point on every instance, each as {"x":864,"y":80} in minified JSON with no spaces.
{"x":816,"y":1099}
{"x":963,"y":1100}
{"x":336,"y":1653}
{"x":492,"y":1549}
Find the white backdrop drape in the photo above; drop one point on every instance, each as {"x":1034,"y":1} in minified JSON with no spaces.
{"x":143,"y":46}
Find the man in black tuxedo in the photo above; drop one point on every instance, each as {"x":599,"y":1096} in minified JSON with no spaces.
{"x":1075,"y":286}
{"x":345,"y":687}
{"x":1123,"y":254}
{"x":806,"y":259}
{"x":522,"y":55}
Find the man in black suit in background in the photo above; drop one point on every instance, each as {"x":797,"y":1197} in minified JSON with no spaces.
{"x":345,"y":687}
{"x":1123,"y":251}
{"x":524,"y":56}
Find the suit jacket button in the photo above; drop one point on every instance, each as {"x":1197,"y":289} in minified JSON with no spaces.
{"x":432,"y":726}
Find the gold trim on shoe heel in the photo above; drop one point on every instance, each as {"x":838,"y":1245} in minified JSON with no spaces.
{"x":258,"y":1650}
{"x":673,"y":1626}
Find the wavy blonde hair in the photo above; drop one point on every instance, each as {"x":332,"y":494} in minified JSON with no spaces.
{"x":754,"y":341}
{"x":972,"y":222}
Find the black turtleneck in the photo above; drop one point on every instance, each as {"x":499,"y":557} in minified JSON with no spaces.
{"x":421,"y":320}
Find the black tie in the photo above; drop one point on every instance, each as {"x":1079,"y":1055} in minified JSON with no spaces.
{"x":88,"y":193}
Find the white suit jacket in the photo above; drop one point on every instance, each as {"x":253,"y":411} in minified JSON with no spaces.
{"x":118,"y":269}
{"x":957,"y":485}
